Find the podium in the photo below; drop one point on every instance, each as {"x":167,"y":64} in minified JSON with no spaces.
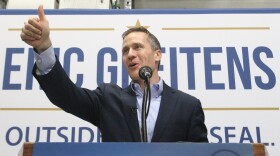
{"x":141,"y":149}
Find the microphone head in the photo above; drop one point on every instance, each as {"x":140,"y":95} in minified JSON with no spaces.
{"x":145,"y":72}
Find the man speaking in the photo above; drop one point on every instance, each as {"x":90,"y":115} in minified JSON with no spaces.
{"x":172,"y":115}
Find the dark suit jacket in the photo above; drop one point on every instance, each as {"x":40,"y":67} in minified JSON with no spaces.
{"x":112,"y":110}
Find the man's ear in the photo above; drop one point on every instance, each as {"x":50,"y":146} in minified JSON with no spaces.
{"x":157,"y":55}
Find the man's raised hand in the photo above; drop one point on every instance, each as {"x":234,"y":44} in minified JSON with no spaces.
{"x":36,"y":32}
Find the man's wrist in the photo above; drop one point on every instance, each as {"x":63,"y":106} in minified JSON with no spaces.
{"x":43,"y":47}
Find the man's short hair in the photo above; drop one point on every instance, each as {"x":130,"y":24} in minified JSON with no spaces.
{"x":152,"y":39}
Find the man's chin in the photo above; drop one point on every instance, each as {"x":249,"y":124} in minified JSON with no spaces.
{"x":135,"y":79}
{"x":133,"y":74}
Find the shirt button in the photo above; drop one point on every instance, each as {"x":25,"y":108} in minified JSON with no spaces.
{"x":39,"y":61}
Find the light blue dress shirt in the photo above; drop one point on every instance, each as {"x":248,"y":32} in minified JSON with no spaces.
{"x":46,"y":60}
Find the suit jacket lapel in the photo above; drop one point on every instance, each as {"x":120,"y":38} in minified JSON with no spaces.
{"x":130,"y":110}
{"x":167,"y":104}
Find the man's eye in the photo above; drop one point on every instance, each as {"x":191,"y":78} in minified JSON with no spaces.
{"x":137,"y":46}
{"x":124,"y":51}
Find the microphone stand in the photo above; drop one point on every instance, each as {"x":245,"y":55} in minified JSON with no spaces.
{"x":145,"y":109}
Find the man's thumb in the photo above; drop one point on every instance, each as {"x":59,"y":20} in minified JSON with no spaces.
{"x":41,"y":13}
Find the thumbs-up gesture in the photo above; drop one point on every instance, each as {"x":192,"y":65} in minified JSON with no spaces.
{"x":36,"y":32}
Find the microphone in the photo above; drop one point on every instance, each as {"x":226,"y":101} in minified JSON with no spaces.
{"x":145,"y":72}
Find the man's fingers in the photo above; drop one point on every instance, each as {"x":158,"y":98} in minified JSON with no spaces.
{"x":41,"y":13}
{"x":33,"y":23}
{"x":26,"y":38}
{"x":30,"y":31}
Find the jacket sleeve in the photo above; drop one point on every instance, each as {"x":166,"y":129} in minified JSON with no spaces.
{"x":63,"y":93}
{"x":198,"y":130}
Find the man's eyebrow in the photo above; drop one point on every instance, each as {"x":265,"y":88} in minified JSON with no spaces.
{"x":137,"y":43}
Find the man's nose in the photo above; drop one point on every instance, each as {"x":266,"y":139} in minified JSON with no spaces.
{"x":131,"y":53}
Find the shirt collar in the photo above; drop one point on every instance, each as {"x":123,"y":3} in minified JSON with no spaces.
{"x":156,"y":89}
